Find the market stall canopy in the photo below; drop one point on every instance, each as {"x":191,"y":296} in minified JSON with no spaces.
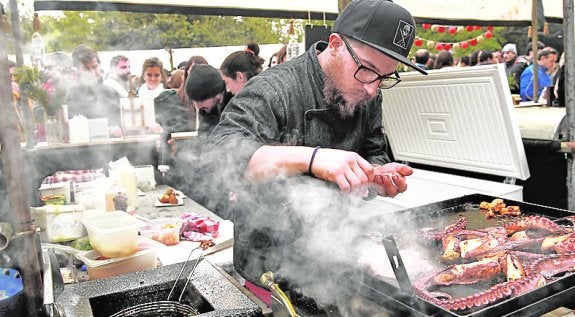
{"x":302,"y":9}
{"x":486,"y":12}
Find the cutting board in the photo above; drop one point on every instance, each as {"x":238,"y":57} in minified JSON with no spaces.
{"x":180,"y":252}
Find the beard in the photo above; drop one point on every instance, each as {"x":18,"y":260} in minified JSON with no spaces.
{"x":124,"y":77}
{"x":334,"y":96}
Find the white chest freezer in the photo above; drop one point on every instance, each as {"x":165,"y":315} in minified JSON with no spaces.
{"x":458,"y":119}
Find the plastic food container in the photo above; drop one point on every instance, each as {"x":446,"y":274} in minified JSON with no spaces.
{"x":63,"y":222}
{"x":113,"y":234}
{"x":102,"y":267}
{"x":165,"y":230}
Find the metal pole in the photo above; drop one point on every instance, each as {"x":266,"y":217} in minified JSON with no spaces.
{"x":17,"y":190}
{"x":534,"y":40}
{"x":569,"y":51}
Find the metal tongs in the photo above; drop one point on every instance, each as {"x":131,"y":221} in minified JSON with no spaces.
{"x":397,"y":264}
{"x":201,"y":247}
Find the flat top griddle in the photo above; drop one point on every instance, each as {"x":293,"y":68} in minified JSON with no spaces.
{"x":388,"y":294}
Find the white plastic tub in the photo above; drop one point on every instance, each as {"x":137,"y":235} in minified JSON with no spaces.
{"x":113,"y":234}
{"x":101,"y":267}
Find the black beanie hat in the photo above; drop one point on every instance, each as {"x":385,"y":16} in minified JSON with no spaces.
{"x":204,"y":82}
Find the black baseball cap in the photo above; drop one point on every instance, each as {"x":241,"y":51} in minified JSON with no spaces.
{"x":381,"y":24}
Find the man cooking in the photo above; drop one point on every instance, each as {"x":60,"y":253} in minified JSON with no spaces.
{"x":304,"y":128}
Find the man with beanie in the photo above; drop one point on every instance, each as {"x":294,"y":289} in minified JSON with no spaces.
{"x":510,"y":57}
{"x":207,"y":90}
{"x":302,"y":144}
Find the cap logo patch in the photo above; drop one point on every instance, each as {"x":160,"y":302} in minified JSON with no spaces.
{"x":403,"y":34}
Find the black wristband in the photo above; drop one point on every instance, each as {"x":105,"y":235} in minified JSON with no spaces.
{"x":311,"y":161}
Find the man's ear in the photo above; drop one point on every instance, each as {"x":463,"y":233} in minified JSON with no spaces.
{"x":335,"y":42}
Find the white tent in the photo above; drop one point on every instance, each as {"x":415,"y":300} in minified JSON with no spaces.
{"x":303,"y":9}
{"x":494,"y":12}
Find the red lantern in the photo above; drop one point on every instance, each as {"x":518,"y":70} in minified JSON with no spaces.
{"x":426,"y":25}
{"x":452,"y":30}
{"x":469,"y":28}
{"x":490,"y":28}
{"x":473,"y":42}
{"x":464,"y":45}
{"x":441,"y":29}
{"x":488,"y":35}
{"x":447,"y":47}
{"x":439,"y":46}
{"x":418,"y":42}
{"x":477,"y":28}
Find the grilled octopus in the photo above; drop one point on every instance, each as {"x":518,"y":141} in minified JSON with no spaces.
{"x":497,"y":257}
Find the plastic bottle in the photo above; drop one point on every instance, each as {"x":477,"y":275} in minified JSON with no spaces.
{"x":292,"y":49}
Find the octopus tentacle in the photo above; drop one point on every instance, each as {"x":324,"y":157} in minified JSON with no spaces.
{"x":434,"y":234}
{"x":534,"y":222}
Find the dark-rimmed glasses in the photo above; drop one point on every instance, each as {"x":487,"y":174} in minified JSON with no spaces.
{"x":367,"y":75}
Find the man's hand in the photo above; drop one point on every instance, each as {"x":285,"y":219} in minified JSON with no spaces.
{"x":348,"y":170}
{"x":390,"y":178}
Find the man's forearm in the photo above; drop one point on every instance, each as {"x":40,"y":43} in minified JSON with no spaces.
{"x":270,"y":162}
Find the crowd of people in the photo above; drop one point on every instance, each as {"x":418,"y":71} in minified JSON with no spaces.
{"x":518,"y":68}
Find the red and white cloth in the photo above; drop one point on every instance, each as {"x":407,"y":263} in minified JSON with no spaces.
{"x":76,"y":176}
{"x":197,"y":228}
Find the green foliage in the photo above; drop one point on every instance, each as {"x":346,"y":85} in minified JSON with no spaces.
{"x":28,"y":79}
{"x":133,"y":31}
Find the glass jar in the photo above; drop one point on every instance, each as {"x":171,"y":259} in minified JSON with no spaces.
{"x":53,"y":129}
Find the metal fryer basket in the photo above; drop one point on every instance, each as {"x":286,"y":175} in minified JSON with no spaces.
{"x":158,"y":308}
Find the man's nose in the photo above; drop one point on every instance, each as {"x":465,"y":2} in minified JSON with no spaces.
{"x":372,"y":88}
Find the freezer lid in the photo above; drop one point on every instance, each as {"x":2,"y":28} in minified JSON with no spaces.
{"x":459,"y":118}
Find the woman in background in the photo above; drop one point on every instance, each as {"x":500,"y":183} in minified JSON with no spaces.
{"x":154,"y":78}
{"x":241,"y":66}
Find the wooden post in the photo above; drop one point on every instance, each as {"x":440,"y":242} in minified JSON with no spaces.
{"x":13,"y":166}
{"x":534,"y":40}
{"x":569,"y":51}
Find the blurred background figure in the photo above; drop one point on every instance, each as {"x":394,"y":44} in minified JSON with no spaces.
{"x":282,"y":54}
{"x":510,"y":58}
{"x":241,"y":66}
{"x":464,"y":61}
{"x":486,"y":58}
{"x":273,"y":60}
{"x":422,"y":58}
{"x":176,"y":79}
{"x":119,"y":76}
{"x":559,"y":90}
{"x":498,"y":56}
{"x":175,"y":112}
{"x":154,"y":78}
{"x":546,"y":62}
{"x":87,"y":95}
{"x":444,"y":59}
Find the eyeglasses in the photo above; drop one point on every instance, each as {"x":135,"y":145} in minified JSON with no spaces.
{"x":156,"y":75}
{"x":367,"y":75}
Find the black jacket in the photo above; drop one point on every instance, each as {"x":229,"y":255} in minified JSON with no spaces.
{"x":285,"y":105}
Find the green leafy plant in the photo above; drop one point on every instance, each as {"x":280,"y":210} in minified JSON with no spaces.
{"x":49,"y":95}
{"x":28,"y":79}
